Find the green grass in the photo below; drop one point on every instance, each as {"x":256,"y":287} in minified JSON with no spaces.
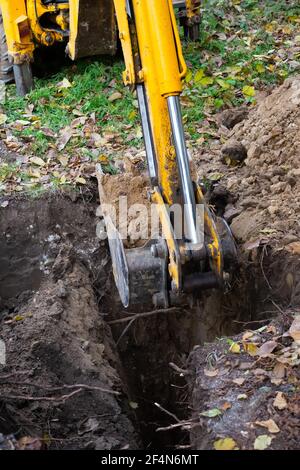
{"x":245,"y":46}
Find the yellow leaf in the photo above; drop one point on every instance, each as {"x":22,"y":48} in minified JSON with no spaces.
{"x":189,"y":76}
{"x":18,"y":318}
{"x":103,"y":159}
{"x":223,"y":84}
{"x":132,"y":115}
{"x":198,"y":75}
{"x":250,"y":348}
{"x":235,"y":348}
{"x":225,"y":444}
{"x":260,"y":68}
{"x":248,"y":91}
{"x":63,"y":179}
{"x":205,"y":81}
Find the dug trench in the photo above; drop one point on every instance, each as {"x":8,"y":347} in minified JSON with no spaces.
{"x":75,"y":375}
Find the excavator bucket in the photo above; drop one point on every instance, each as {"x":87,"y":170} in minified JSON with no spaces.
{"x":92,"y":28}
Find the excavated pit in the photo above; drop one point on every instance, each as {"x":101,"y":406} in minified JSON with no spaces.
{"x":74,"y":378}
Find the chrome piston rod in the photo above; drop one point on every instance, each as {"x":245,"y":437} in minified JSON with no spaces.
{"x":190,"y":213}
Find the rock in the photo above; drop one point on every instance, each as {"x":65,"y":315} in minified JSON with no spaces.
{"x":273,"y":210}
{"x":278,"y":187}
{"x":235,"y":151}
{"x":254,"y":151}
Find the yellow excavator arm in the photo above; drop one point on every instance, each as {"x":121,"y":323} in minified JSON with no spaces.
{"x":155,"y":67}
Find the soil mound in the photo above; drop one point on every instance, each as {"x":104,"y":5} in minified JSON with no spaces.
{"x":264,"y":187}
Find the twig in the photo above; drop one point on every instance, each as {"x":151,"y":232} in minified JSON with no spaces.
{"x":262,"y":268}
{"x":30,"y":398}
{"x":174,"y":426}
{"x":277,"y":306}
{"x":167,"y":412}
{"x":125,"y":330}
{"x":135,"y":316}
{"x":178,"y":369}
{"x":251,"y":321}
{"x":55,"y":389}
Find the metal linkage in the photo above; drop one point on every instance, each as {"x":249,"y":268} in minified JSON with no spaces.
{"x":192,"y":233}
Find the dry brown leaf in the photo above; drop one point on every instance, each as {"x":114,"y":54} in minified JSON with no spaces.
{"x":239,"y":381}
{"x":211,"y":372}
{"x":278,"y":371}
{"x":270,"y":425}
{"x":294,"y":330}
{"x":280,"y":402}
{"x":247,"y":335}
{"x":267,"y":348}
{"x":65,"y":135}
{"x":115,"y":96}
{"x":225,"y":406}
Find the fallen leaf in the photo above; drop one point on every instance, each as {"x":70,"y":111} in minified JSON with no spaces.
{"x":65,"y":83}
{"x":37,"y":161}
{"x":80,"y":180}
{"x":294,"y":248}
{"x":63,"y":160}
{"x":280,"y":402}
{"x":18,"y":318}
{"x":3,"y":118}
{"x":29,"y":443}
{"x":250,"y":348}
{"x":4,"y":204}
{"x":211,"y":372}
{"x":248,"y":91}
{"x":235,"y":348}
{"x":247,"y":335}
{"x":242,"y":396}
{"x":239,"y":381}
{"x":278,"y":371}
{"x":115,"y":96}
{"x":294,"y":330}
{"x":267,"y":348}
{"x":211,"y":413}
{"x":225,"y":444}
{"x":226,"y":406}
{"x":270,"y":425}
{"x":65,"y":135}
{"x":133,"y":405}
{"x":262,"y":442}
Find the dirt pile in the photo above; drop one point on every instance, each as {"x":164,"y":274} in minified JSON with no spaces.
{"x":264,"y":190}
{"x":124,"y":198}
